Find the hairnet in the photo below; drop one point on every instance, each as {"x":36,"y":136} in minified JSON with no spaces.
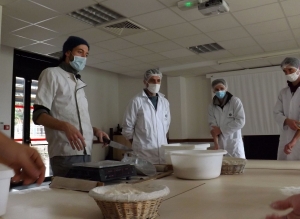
{"x":219,"y":81}
{"x":290,"y":61}
{"x":152,"y":72}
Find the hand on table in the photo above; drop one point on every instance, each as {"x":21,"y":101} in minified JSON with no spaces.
{"x":25,"y":161}
{"x":291,"y":202}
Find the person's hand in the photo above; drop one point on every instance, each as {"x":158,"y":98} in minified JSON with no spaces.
{"x":100,"y":134}
{"x":216,"y":146}
{"x":291,"y":202}
{"x":25,"y":161}
{"x":288,"y":147}
{"x":293,"y":124}
{"x":215,"y":131}
{"x":74,"y":136}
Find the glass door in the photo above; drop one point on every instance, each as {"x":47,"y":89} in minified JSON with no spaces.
{"x":25,"y":131}
{"x":26,"y":71}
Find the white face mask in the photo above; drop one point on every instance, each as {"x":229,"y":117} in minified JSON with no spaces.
{"x":78,"y":63}
{"x":293,"y":77}
{"x":153,"y":88}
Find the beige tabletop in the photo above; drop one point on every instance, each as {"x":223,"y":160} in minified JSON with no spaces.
{"x":234,"y":196}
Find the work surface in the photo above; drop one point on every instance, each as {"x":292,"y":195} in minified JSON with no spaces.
{"x":234,"y":196}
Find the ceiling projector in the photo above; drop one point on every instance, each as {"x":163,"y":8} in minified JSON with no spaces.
{"x":207,"y":8}
{"x":213,"y":7}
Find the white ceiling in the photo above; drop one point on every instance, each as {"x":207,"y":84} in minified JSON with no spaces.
{"x":251,"y":27}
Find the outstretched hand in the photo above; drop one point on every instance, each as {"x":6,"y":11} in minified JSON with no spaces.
{"x":291,"y":202}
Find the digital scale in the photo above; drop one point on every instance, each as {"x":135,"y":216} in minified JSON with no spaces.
{"x":102,"y":171}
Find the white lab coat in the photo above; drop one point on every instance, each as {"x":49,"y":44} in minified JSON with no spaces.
{"x":64,"y":96}
{"x":230,"y":119}
{"x":287,"y":106}
{"x":147,"y":127}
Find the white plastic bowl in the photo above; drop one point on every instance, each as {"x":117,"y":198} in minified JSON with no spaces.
{"x":178,"y":146}
{"x":197,"y":164}
{"x":5,"y":174}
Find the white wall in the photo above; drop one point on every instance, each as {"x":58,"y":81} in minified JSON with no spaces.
{"x":102,"y":92}
{"x":6,"y":63}
{"x":198,"y":97}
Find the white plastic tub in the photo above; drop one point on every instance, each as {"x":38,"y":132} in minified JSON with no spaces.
{"x":197,"y":164}
{"x":5,"y":174}
{"x":178,"y":146}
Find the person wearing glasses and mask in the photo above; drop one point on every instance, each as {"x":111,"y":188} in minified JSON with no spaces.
{"x":62,"y":108}
{"x":226,"y":118}
{"x":287,"y":111}
{"x":147,"y":119}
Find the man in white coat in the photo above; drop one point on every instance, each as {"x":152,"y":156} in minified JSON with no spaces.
{"x":61,"y":106}
{"x":287,"y":112}
{"x":147,"y":119}
{"x":226,"y":118}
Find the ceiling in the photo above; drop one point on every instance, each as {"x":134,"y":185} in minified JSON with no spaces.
{"x":251,"y":27}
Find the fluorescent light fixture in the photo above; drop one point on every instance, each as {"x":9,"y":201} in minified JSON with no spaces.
{"x":260,"y":56}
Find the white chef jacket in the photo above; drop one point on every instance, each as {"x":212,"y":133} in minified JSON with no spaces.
{"x":287,"y":106}
{"x":147,"y":127}
{"x":230,"y":119}
{"x":64,"y":96}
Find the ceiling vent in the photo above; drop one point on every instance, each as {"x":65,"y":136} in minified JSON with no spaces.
{"x":95,"y":15}
{"x":57,"y":55}
{"x":205,"y":48}
{"x":123,"y":27}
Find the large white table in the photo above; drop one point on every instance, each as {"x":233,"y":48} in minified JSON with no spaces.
{"x":234,"y":196}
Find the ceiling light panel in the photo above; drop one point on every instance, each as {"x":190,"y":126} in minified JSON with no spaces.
{"x":205,"y":48}
{"x":95,"y":15}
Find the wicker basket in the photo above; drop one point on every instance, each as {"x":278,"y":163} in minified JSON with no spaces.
{"x":231,"y":166}
{"x":129,"y":210}
{"x":129,"y":201}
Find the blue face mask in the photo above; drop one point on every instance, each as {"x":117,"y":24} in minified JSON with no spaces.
{"x":221,"y":94}
{"x":78,"y":63}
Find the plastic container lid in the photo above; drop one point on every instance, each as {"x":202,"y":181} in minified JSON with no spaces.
{"x":6,"y":172}
{"x":186,"y":146}
{"x":199,"y":152}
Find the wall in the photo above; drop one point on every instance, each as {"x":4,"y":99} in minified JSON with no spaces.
{"x":198,"y":94}
{"x":6,"y":63}
{"x":102,"y":93}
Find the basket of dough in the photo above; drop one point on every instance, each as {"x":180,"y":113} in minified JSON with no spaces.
{"x":124,"y":201}
{"x":233,"y":165}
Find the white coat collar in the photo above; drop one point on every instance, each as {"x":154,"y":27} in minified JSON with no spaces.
{"x":145,"y":95}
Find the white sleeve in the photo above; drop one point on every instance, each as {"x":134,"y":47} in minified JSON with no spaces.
{"x":239,"y":118}
{"x":211,"y":117}
{"x":129,"y":119}
{"x":47,"y":87}
{"x":278,"y":112}
{"x":169,"y":114}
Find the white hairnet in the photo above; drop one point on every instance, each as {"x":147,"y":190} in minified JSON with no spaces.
{"x":152,"y":72}
{"x":219,"y":81}
{"x":290,"y":61}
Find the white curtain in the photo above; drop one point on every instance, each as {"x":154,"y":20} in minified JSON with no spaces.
{"x":258,"y":92}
